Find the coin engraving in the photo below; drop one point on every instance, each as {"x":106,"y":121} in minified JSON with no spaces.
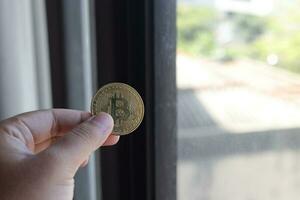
{"x":123,"y":103}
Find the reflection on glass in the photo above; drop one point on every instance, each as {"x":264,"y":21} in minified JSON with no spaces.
{"x":238,"y":79}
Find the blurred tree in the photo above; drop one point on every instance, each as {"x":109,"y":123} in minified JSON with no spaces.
{"x":282,"y":38}
{"x":196,"y":30}
{"x":254,"y":37}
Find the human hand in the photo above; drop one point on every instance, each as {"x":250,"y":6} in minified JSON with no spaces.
{"x":41,"y":151}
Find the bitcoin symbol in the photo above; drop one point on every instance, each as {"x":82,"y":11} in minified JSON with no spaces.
{"x":119,"y":109}
{"x":123,"y":103}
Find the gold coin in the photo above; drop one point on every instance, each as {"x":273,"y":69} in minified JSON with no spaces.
{"x":123,"y":103}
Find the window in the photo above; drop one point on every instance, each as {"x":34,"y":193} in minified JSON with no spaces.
{"x":229,"y":130}
{"x":238,"y":99}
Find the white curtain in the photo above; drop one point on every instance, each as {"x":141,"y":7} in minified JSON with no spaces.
{"x":24,"y":63}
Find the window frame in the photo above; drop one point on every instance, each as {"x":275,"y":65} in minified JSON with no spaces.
{"x":136,"y":44}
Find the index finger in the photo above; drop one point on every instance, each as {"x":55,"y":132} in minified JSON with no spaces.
{"x":46,"y":124}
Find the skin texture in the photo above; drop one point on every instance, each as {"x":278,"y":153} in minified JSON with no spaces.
{"x":41,"y":151}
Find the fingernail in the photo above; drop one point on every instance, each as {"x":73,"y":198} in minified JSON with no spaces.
{"x":103,"y":120}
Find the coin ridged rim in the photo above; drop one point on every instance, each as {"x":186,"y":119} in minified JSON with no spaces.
{"x":132,"y":91}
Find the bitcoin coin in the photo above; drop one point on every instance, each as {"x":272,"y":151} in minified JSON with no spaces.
{"x":123,"y":103}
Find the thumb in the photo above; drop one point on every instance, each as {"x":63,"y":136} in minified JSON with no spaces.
{"x":75,"y":147}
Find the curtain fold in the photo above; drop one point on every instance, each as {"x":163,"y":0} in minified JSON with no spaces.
{"x":22,"y":44}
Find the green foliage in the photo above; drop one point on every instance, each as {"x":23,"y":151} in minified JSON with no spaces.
{"x":196,"y":30}
{"x":282,"y":38}
{"x":248,"y":27}
{"x":254,"y":37}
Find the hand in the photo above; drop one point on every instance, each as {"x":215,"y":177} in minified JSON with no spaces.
{"x":41,"y":151}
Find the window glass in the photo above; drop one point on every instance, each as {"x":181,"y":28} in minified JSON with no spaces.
{"x":238,"y":80}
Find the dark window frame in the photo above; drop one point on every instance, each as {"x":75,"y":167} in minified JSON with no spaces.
{"x":137,"y":45}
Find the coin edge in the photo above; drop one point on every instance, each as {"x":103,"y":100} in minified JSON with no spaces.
{"x":131,"y":88}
